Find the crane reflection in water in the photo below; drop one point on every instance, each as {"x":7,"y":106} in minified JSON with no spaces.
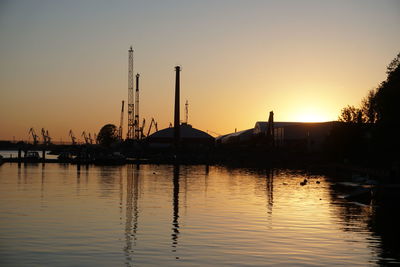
{"x":132,"y":212}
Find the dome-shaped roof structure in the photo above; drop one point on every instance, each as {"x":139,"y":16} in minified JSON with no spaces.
{"x":188,"y":134}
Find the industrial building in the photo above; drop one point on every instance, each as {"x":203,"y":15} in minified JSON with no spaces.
{"x":285,"y":134}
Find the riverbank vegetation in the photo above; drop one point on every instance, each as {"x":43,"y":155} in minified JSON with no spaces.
{"x":369,"y":132}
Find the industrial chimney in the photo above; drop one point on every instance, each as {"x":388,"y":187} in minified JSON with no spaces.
{"x":177,"y":111}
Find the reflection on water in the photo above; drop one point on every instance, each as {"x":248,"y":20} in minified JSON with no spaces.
{"x":175,"y":201}
{"x":133,"y":215}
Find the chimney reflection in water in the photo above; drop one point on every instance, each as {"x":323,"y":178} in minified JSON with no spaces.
{"x":175,"y":222}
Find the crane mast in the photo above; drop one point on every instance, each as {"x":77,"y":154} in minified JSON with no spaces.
{"x":137,"y":125}
{"x":131,"y":116}
{"x":121,"y":121}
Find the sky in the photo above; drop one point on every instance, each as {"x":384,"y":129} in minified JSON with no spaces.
{"x":64,"y":64}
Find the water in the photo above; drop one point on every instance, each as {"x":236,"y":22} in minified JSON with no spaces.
{"x":59,"y":215}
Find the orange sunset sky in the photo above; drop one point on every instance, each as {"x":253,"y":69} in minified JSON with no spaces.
{"x":64,"y":64}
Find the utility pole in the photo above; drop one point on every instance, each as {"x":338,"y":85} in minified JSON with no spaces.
{"x":131,"y":123}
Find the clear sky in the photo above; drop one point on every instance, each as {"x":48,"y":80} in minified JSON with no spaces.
{"x":64,"y":64}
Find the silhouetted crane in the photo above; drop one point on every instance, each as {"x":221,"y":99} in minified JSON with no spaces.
{"x":73,"y":138}
{"x":90,"y":139}
{"x":46,"y":137}
{"x":87,"y":140}
{"x":153,"y":122}
{"x":34,"y":136}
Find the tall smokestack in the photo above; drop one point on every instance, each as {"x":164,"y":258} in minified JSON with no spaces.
{"x":177,"y":134}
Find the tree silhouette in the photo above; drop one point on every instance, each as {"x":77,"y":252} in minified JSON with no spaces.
{"x":388,"y":95}
{"x":108,"y":135}
{"x":375,"y":140}
{"x":351,"y":114}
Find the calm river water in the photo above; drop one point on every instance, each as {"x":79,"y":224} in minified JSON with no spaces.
{"x":59,"y":215}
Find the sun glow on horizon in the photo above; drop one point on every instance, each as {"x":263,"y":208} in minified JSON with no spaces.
{"x":312,"y":115}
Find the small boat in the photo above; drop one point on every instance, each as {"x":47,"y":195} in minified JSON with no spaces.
{"x":32,"y":156}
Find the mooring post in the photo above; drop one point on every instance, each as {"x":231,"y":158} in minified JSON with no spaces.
{"x":44,"y":155}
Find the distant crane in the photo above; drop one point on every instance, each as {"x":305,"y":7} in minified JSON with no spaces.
{"x":73,"y":138}
{"x":90,"y":139}
{"x":121,"y":122}
{"x":34,"y":136}
{"x":86,"y":137}
{"x":153,"y":121}
{"x":46,"y":137}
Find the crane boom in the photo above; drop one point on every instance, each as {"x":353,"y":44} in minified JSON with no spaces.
{"x":153,"y":122}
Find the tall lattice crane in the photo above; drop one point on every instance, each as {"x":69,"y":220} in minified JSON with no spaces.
{"x":131,"y":115}
{"x":121,"y":121}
